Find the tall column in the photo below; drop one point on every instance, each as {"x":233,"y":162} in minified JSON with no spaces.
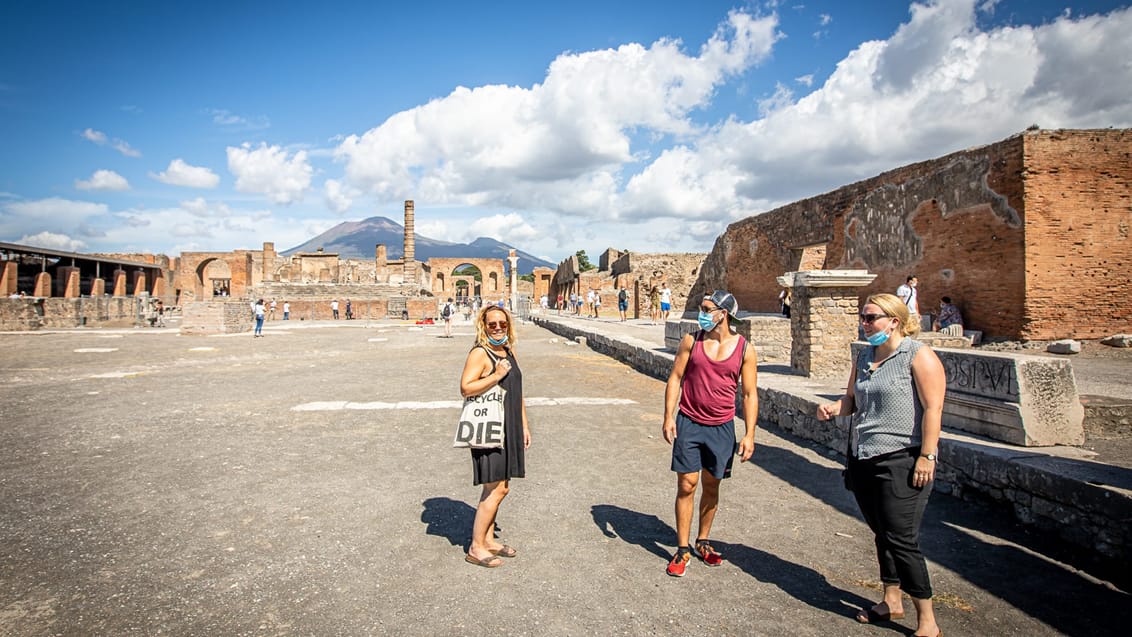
{"x":69,"y":278}
{"x":380,"y":264}
{"x":268,"y":261}
{"x":410,"y":269}
{"x":514,"y":263}
{"x":823,"y":320}
{"x":119,"y":282}
{"x":139,"y":282}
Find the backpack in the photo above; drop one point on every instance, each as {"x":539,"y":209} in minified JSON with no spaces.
{"x":446,"y":311}
{"x":622,"y":295}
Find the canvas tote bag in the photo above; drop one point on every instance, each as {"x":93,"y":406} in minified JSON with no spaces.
{"x":481,"y":419}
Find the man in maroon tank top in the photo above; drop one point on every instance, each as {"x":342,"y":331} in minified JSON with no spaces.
{"x":699,"y":420}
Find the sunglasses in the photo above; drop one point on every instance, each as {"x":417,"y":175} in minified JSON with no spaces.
{"x":868,"y":319}
{"x":709,"y":310}
{"x":501,"y":325}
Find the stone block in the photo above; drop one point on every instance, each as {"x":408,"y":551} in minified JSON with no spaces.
{"x":1065,"y":346}
{"x":1016,"y":398}
{"x":1118,"y":340}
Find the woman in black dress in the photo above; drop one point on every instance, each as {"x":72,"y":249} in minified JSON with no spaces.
{"x":491,"y":362}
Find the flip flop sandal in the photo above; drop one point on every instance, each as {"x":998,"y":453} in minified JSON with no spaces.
{"x":490,"y":562}
{"x":873,"y":616}
{"x":505,"y":551}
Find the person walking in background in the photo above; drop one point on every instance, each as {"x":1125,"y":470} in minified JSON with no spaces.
{"x":665,"y":302}
{"x":597,"y":303}
{"x":492,"y":362}
{"x":654,"y":304}
{"x":334,"y":309}
{"x":784,"y":297}
{"x":623,"y":303}
{"x":271,"y":310}
{"x":699,"y":420}
{"x":910,"y":296}
{"x":895,"y":395}
{"x":258,"y":312}
{"x":349,"y":310}
{"x":446,"y":313}
{"x":286,"y":311}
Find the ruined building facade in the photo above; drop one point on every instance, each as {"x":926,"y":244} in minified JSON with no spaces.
{"x":1029,"y":236}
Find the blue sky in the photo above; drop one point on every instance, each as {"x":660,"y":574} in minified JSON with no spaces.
{"x":646,"y":126}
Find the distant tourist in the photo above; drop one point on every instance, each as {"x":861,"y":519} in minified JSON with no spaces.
{"x":258,"y":310}
{"x":286,"y":311}
{"x":590,"y":303}
{"x":654,"y":304}
{"x":490,"y":363}
{"x":334,"y":309}
{"x":895,"y":395}
{"x":665,"y":301}
{"x":950,"y":320}
{"x":349,"y":310}
{"x":446,"y":313}
{"x":622,"y":303}
{"x":910,"y":296}
{"x":597,"y":303}
{"x":699,"y":420}
{"x":271,"y":310}
{"x":784,"y":297}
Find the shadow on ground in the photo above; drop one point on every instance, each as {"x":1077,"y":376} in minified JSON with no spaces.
{"x":964,"y":536}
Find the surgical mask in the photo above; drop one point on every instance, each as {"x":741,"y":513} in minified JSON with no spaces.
{"x":706,"y":323}
{"x":497,"y":343}
{"x":878,"y":338}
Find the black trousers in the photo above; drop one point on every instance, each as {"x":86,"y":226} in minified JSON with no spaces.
{"x":893,"y":509}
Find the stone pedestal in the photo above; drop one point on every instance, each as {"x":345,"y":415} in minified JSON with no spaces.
{"x":119,"y":282}
{"x":42,"y":284}
{"x":97,"y":287}
{"x":138,"y":285}
{"x":69,"y":279}
{"x":9,"y":278}
{"x":823,"y":320}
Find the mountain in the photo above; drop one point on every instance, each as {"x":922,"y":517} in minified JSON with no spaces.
{"x":357,"y":239}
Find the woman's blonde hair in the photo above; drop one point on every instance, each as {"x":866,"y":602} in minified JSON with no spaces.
{"x":481,"y":325}
{"x":892,"y":306}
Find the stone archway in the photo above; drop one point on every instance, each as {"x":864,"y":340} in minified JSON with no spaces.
{"x":444,"y":278}
{"x":197,"y":272}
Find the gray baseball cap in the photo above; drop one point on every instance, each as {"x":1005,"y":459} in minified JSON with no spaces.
{"x":726,"y":301}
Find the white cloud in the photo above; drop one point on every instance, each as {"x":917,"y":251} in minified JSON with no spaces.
{"x":180,"y":173}
{"x":339,"y":196}
{"x":509,"y":228}
{"x":559,"y":145}
{"x":52,"y":241}
{"x":100,"y":138}
{"x":267,"y":170}
{"x":103,"y":180}
{"x":227,"y":119}
{"x":55,"y":215}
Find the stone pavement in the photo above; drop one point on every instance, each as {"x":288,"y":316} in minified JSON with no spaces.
{"x":304,"y":484}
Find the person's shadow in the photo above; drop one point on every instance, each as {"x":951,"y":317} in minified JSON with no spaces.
{"x":449,"y":519}
{"x":646,"y":531}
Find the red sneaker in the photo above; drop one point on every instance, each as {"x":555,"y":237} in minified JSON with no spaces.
{"x":679,"y":562}
{"x":705,"y":552}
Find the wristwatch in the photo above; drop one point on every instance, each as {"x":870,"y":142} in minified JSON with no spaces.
{"x":929,"y":456}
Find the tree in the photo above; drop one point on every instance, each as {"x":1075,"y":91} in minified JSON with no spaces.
{"x":584,"y":264}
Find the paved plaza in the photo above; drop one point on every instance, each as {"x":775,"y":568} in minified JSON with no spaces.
{"x":304,"y":484}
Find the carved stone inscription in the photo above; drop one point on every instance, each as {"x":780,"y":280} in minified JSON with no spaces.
{"x":984,"y":375}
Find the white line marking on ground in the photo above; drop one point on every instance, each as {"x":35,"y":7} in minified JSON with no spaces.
{"x":378,"y":340}
{"x":535,"y":401}
{"x":202,"y":349}
{"x":95,"y":350}
{"x":117,"y":375}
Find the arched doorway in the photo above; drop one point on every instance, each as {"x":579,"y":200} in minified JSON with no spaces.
{"x":215,"y":278}
{"x":468,"y":281}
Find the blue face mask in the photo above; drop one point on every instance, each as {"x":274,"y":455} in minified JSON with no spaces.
{"x":878,"y":338}
{"x":497,"y":343}
{"x":706,"y":323}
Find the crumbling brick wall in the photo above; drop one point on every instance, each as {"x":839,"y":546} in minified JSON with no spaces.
{"x":1020,"y":233}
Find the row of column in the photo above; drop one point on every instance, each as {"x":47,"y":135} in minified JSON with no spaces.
{"x":70,"y":279}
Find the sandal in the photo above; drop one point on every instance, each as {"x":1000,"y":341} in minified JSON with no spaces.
{"x":879,"y":613}
{"x":504,"y":551}
{"x":490,"y":562}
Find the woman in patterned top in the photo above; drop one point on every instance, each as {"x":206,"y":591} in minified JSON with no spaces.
{"x":895,"y":394}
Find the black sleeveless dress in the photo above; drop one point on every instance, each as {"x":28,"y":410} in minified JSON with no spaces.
{"x":493,"y":465}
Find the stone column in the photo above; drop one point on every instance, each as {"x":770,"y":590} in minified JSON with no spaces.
{"x":514,"y":263}
{"x":9,"y":278}
{"x":139,"y":282}
{"x":97,"y":288}
{"x":268,"y":261}
{"x":42,"y":284}
{"x":410,"y":267}
{"x":823,"y":320}
{"x":69,"y":279}
{"x":119,"y":282}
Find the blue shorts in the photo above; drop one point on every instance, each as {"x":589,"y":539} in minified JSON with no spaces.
{"x":704,"y":447}
{"x":622,"y":305}
{"x":664,"y":307}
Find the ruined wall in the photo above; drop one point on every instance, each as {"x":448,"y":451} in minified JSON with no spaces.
{"x":680,"y":269}
{"x":33,"y":313}
{"x":1078,"y":192}
{"x":1010,"y":231}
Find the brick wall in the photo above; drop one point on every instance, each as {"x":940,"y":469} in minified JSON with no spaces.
{"x":1020,"y":233}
